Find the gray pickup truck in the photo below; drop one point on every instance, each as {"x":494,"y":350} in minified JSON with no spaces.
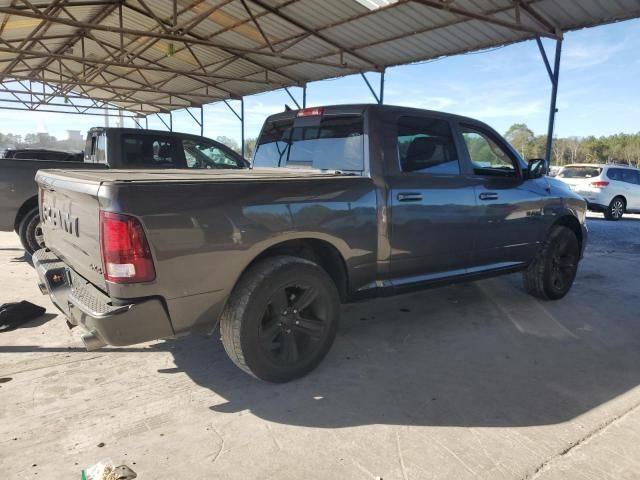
{"x":343,"y":203}
{"x":105,"y":148}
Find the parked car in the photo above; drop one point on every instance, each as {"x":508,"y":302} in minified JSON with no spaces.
{"x":43,"y":154}
{"x":126,"y":148}
{"x":360,"y":201}
{"x":610,"y":189}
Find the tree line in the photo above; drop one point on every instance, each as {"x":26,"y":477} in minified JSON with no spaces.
{"x":623,"y":148}
{"x":38,"y":140}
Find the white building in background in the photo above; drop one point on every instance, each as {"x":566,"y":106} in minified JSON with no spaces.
{"x":75,"y":136}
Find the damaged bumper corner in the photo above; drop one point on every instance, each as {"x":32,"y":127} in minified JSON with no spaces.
{"x":105,"y":322}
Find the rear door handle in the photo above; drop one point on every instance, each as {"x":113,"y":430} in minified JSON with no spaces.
{"x":488,"y":196}
{"x":409,"y":197}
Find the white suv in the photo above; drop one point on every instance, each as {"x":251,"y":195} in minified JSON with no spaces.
{"x":610,"y":189}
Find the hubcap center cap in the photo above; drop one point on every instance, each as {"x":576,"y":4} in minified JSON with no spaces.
{"x":288,"y":318}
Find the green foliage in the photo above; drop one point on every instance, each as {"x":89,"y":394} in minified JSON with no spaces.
{"x":620,"y":148}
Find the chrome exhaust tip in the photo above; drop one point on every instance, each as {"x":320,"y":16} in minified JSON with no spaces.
{"x":92,"y":341}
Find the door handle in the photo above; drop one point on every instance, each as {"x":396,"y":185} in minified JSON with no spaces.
{"x":488,"y":196}
{"x":409,"y":197}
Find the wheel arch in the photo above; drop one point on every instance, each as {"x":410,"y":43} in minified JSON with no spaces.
{"x":320,"y":251}
{"x":25,"y":208}
{"x":624,"y":199}
{"x":571,"y":222}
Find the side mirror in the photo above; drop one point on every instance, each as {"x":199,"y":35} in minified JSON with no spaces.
{"x":536,"y":169}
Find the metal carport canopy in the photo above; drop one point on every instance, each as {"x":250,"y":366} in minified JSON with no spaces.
{"x":150,"y":56}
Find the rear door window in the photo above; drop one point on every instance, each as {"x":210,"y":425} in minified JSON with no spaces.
{"x":151,"y":151}
{"x":426,"y":145}
{"x":329,"y":143}
{"x":623,"y":175}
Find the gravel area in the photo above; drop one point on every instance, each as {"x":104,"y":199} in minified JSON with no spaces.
{"x":621,"y":237}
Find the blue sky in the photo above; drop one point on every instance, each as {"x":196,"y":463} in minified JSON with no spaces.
{"x":599,"y":90}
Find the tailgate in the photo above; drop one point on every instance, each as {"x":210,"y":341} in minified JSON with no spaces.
{"x":71,"y":222}
{"x":578,"y":184}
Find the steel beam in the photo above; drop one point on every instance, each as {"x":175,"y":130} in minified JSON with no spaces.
{"x":25,"y":109}
{"x":292,"y":97}
{"x":186,"y":40}
{"x":242,"y":126}
{"x":28,"y":54}
{"x":107,"y":87}
{"x":552,"y":106}
{"x":380,"y":95}
{"x":449,"y":7}
{"x":325,"y":38}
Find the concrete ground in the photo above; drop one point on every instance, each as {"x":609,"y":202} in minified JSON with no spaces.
{"x":468,"y":381}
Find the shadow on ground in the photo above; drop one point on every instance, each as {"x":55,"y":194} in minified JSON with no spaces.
{"x":36,"y":322}
{"x":447,"y":357}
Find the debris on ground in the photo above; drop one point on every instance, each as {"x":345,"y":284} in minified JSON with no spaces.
{"x":123,"y":472}
{"x":105,"y":470}
{"x":14,"y":314}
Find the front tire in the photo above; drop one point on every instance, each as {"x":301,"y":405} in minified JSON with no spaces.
{"x":30,"y":231}
{"x":616,"y":209}
{"x":551,"y":274}
{"x":281,"y":318}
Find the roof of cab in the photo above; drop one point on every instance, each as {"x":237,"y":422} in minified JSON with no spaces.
{"x":142,"y":131}
{"x":360,"y":108}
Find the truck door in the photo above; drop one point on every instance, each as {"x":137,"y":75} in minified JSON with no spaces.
{"x":510,"y":212}
{"x":431,"y":201}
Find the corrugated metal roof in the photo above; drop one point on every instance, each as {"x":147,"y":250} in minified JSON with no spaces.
{"x":148,"y":56}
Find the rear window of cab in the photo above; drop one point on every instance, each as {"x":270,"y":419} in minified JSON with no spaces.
{"x":325,"y":143}
{"x":579,"y":172}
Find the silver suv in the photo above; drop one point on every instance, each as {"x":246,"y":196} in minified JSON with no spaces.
{"x":610,"y":189}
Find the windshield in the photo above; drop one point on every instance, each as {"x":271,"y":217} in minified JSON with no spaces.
{"x":579,"y":172}
{"x":334,"y":143}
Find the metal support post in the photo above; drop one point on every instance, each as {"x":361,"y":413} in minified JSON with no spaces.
{"x":380,"y":95}
{"x":146,"y":122}
{"x":170,"y":121}
{"x":167,"y":125}
{"x":304,"y":97}
{"x":242,"y":126}
{"x":292,"y":97}
{"x":554,"y":76}
{"x":239,"y":116}
{"x":199,"y":122}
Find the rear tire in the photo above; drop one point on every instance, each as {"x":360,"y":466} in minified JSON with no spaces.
{"x":281,"y":318}
{"x":616,"y":209}
{"x":551,"y":274}
{"x":30,"y":231}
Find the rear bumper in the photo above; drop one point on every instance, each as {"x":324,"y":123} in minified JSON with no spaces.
{"x":596,"y":207}
{"x":106,"y":321}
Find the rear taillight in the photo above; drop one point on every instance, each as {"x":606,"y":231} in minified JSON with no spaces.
{"x":599,"y":184}
{"x":126,"y":257}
